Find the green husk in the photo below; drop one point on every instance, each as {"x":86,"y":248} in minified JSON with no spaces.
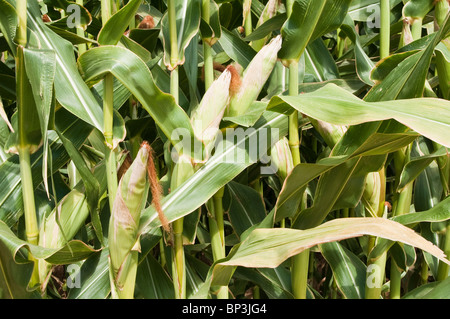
{"x":207,"y":116}
{"x":123,"y":238}
{"x":255,"y":76}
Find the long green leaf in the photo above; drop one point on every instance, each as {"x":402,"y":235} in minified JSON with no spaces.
{"x":70,"y":89}
{"x":415,"y":166}
{"x":298,"y":29}
{"x":337,"y":106}
{"x":258,"y":249}
{"x":41,"y":68}
{"x":433,"y":290}
{"x":94,"y":278}
{"x":348,"y":270}
{"x":245,"y":207}
{"x":152,"y":282}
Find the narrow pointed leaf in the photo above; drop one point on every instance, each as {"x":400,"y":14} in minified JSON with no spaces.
{"x":414,"y":167}
{"x":41,"y":69}
{"x":245,"y":207}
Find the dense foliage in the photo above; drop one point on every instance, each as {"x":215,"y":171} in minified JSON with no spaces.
{"x":224,"y":149}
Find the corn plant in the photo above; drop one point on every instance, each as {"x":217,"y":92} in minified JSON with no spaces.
{"x":206,"y":149}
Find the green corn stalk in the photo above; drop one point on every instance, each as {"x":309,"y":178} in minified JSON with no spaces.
{"x":26,"y":142}
{"x":300,"y":262}
{"x":205,"y":120}
{"x":108,"y":115}
{"x":106,"y":10}
{"x":254,"y":78}
{"x":442,"y":8}
{"x":443,"y":269}
{"x":375,"y":190}
{"x":247,"y":17}
{"x":385,"y":14}
{"x":207,"y":54}
{"x":80,"y":31}
{"x":183,"y":169}
{"x":124,"y":245}
{"x":401,"y":206}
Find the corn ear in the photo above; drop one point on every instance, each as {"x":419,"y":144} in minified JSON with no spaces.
{"x":374,"y":193}
{"x":123,"y":238}
{"x":182,"y":171}
{"x":207,"y":116}
{"x":331,"y":133}
{"x":254,"y":78}
{"x":281,"y":156}
{"x":269,"y":12}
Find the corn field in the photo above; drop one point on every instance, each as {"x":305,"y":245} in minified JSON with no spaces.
{"x":224,"y":149}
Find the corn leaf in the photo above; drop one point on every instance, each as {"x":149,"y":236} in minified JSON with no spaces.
{"x":412,"y":73}
{"x":65,"y":255}
{"x":94,"y":278}
{"x":114,"y":28}
{"x":309,"y":20}
{"x":257,"y":250}
{"x":434,"y":290}
{"x":11,"y":198}
{"x":14,"y":278}
{"x":188,"y":23}
{"x":132,"y":73}
{"x":340,"y":107}
{"x":245,"y":207}
{"x":348,"y":270}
